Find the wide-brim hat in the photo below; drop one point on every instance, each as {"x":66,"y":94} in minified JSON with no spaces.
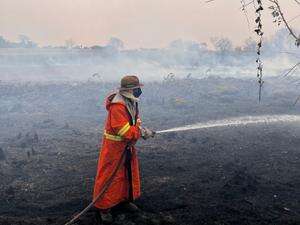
{"x":130,"y":82}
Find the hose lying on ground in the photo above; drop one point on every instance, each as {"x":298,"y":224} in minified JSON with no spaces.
{"x":100,"y":195}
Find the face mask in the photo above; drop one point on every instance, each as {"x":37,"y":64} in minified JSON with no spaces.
{"x":137,"y":92}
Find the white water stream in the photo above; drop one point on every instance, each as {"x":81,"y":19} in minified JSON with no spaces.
{"x":237,"y":121}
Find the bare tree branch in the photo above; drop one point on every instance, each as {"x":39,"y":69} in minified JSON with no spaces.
{"x":295,"y":17}
{"x":297,"y":37}
{"x":244,"y":9}
{"x":297,"y":1}
{"x":291,"y":70}
{"x":297,"y":100}
{"x":247,"y":4}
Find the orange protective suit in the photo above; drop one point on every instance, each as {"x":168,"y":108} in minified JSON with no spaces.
{"x":120,"y":131}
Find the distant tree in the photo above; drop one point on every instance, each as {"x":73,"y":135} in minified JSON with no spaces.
{"x":4,"y":43}
{"x":222,"y":45}
{"x":26,"y":42}
{"x":97,"y":47}
{"x":249,"y":45}
{"x":183,"y":45}
{"x":115,"y":43}
{"x":69,"y":43}
{"x":186,"y":53}
{"x":176,"y":44}
{"x":238,"y":49}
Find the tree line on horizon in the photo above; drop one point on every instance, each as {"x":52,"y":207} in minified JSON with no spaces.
{"x":218,"y":44}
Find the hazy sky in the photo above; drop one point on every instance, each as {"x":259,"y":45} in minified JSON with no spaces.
{"x":139,"y":23}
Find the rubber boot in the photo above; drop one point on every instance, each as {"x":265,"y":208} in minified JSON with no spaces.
{"x":130,"y":207}
{"x":106,"y":216}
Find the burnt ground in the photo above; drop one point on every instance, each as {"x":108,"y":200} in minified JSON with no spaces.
{"x":221,"y":176}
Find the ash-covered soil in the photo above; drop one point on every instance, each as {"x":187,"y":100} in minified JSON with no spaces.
{"x":221,"y":176}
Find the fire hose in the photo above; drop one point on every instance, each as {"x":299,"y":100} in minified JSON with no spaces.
{"x":100,"y":195}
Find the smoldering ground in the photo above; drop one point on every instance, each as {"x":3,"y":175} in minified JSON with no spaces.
{"x":50,"y":134}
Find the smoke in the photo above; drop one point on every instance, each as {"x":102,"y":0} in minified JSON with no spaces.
{"x":111,"y":62}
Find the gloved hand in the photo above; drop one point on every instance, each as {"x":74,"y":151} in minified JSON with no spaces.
{"x":147,"y":133}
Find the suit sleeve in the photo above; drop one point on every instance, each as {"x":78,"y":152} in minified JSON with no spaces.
{"x":120,"y":123}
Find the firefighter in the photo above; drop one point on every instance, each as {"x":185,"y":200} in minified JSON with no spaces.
{"x":122,"y":130}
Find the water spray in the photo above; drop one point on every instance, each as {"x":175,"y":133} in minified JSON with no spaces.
{"x":237,"y":121}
